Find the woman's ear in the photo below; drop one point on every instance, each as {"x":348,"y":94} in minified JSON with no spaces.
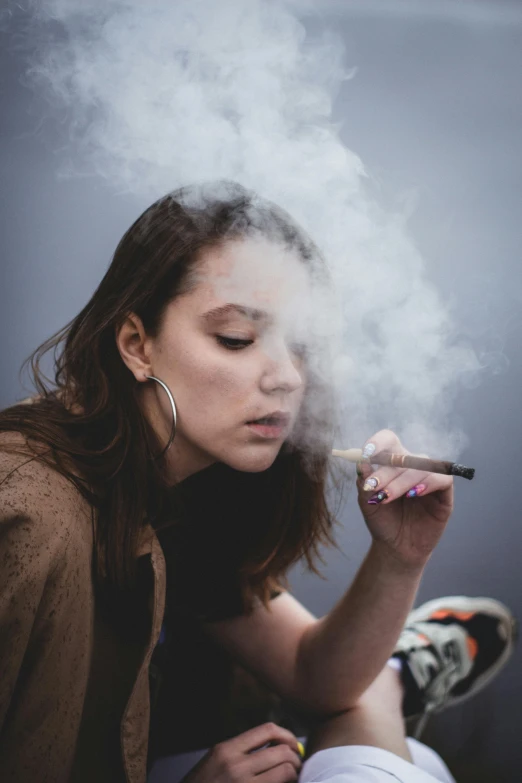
{"x":134,"y":346}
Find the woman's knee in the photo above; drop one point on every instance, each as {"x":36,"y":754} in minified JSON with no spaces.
{"x":386,"y":692}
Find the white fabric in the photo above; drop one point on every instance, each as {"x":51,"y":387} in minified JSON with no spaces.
{"x":426,"y":758}
{"x":365,"y":764}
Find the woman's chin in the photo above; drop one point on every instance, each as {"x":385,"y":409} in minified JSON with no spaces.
{"x":254,"y":463}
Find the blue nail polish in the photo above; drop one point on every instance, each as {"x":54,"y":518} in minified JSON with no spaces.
{"x":414,"y":491}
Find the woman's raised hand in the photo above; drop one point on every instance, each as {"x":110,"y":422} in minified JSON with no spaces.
{"x":233,"y":761}
{"x":406,"y":510}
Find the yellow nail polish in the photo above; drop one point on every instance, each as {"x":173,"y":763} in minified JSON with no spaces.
{"x":371,"y":483}
{"x":301,"y":749}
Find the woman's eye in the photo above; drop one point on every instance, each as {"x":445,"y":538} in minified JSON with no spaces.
{"x":233,"y":343}
{"x":299,"y":349}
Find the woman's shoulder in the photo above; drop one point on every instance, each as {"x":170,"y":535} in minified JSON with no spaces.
{"x":35,"y":492}
{"x":21,"y":457}
{"x":14,"y":452}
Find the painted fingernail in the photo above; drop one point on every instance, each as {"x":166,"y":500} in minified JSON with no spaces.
{"x":414,"y":491}
{"x":368,"y":450}
{"x":378,"y":498}
{"x":371,"y":483}
{"x":301,"y":749}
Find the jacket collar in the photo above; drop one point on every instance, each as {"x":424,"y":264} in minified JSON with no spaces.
{"x":146,"y":541}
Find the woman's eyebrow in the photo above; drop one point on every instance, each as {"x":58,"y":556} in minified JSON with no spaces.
{"x":235,"y":309}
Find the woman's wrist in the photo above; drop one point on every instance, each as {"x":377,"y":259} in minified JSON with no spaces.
{"x":390,"y":560}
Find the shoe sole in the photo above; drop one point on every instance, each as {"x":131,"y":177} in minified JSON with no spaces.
{"x":461,"y":603}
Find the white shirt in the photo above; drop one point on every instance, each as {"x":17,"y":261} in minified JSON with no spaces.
{"x":365,"y":764}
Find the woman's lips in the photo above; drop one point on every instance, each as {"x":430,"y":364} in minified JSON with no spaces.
{"x":268,"y":430}
{"x":274,"y":427}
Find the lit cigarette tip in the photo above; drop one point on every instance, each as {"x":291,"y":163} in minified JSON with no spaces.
{"x":461,"y":470}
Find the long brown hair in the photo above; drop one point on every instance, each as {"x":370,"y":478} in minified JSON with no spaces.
{"x":96,"y":435}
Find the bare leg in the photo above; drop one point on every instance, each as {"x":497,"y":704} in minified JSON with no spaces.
{"x":376,"y":720}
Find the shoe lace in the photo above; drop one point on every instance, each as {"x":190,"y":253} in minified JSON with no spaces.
{"x":442,"y":680}
{"x":440,"y":685}
{"x":428,"y":711}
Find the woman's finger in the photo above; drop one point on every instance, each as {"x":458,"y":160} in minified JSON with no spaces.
{"x":267,"y":758}
{"x":397,"y":478}
{"x":261,"y":735}
{"x":383,"y":440}
{"x":409,"y":483}
{"x":390,"y":487}
{"x":378,"y":478}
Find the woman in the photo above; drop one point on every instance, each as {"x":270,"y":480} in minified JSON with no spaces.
{"x":182,"y":459}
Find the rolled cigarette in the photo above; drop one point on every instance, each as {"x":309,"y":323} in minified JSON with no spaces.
{"x":408,"y":461}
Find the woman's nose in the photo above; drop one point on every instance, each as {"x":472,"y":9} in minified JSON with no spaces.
{"x":284,"y":370}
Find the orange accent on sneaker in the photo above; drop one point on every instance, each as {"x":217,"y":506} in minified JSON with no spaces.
{"x":442,"y":613}
{"x":472,"y":647}
{"x":422,"y":638}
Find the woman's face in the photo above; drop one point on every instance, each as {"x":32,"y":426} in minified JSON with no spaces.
{"x":226,"y":351}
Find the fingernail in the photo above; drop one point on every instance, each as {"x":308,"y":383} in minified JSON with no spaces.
{"x":301,"y":749}
{"x":368,"y":450}
{"x":414,"y":491}
{"x":378,"y":498}
{"x":371,"y":483}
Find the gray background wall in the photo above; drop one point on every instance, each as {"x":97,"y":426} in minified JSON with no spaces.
{"x":435,"y":112}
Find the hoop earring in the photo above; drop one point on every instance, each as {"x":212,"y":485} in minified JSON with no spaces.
{"x":172,"y":405}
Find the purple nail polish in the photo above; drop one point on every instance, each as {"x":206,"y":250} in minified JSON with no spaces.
{"x":378,"y":497}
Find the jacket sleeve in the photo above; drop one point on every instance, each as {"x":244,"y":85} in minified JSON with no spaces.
{"x":27,"y":558}
{"x":44,"y":622}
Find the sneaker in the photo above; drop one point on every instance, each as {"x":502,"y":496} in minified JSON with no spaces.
{"x":451,"y":648}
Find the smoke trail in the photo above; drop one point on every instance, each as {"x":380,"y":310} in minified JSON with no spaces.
{"x":162,"y":94}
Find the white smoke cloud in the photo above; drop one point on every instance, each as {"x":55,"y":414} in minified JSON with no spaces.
{"x":161,"y":94}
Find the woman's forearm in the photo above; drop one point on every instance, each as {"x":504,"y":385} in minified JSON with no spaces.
{"x":341,"y":654}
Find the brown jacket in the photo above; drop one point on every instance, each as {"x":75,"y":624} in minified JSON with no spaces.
{"x":65,"y":674}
